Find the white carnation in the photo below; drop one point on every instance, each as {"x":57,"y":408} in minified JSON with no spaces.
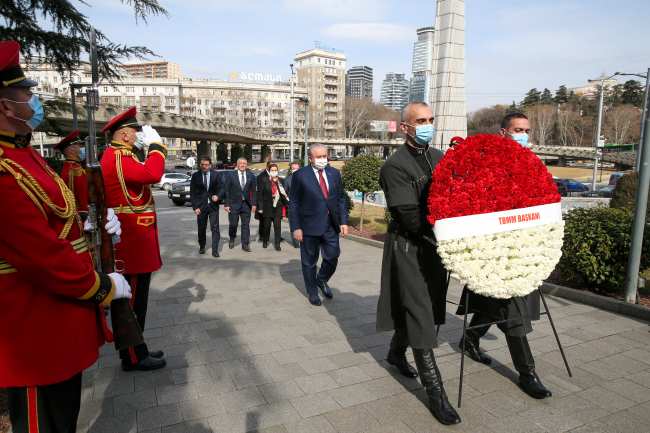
{"x":504,"y":265}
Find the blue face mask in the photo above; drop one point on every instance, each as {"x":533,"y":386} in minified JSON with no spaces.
{"x":423,"y":134}
{"x":140,"y":141}
{"x":82,"y":155}
{"x":520,"y":138}
{"x":37,"y":108}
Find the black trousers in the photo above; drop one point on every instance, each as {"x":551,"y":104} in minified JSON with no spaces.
{"x":46,"y":409}
{"x":202,"y":222}
{"x":277,"y":228}
{"x":139,"y":299}
{"x":233,"y":217}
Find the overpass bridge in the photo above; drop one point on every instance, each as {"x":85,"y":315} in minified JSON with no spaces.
{"x":202,"y":130}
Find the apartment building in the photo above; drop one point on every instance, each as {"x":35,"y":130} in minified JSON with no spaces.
{"x":359,"y":82}
{"x":154,"y":70}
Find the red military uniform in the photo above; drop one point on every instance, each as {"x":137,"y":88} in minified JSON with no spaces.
{"x":49,"y":291}
{"x":73,"y":174}
{"x":128,"y":192}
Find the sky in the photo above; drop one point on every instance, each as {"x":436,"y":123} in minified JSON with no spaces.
{"x":511,"y":46}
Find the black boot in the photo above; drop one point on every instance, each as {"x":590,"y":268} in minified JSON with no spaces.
{"x":524,"y":363}
{"x":472,"y":348}
{"x":432,"y":382}
{"x":277,"y":245}
{"x":265,"y":244}
{"x":397,"y":358}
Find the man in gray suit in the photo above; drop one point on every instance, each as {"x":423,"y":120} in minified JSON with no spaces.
{"x":287,"y":187}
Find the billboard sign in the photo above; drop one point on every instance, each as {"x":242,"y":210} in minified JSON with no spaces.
{"x":379,"y":126}
{"x":392,"y":126}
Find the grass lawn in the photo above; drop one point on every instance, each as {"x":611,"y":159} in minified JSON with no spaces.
{"x":373,"y":216}
{"x":579,"y":173}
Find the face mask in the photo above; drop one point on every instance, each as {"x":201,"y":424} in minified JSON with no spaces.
{"x":423,"y":134}
{"x":37,"y":108}
{"x":320,"y":163}
{"x":82,"y":155}
{"x":520,"y":138}
{"x":273,"y":173}
{"x":140,"y":141}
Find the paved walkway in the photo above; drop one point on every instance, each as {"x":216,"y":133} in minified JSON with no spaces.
{"x":246,"y":351}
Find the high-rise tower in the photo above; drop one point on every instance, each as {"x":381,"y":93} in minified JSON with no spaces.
{"x":358,"y":82}
{"x":394,"y":91}
{"x":448,"y":83}
{"x":422,"y":64}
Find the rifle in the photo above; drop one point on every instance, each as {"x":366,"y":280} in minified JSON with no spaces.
{"x":126,"y":331}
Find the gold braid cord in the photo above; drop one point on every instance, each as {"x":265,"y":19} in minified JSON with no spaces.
{"x":120,"y":176}
{"x":37,"y":194}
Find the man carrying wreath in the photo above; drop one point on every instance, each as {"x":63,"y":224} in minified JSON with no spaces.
{"x":413,"y":278}
{"x":524,"y":308}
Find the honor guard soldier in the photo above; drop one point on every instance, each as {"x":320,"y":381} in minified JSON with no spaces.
{"x":50,"y":316}
{"x":73,"y":173}
{"x":128,"y":193}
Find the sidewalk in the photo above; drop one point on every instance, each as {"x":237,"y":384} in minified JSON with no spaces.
{"x":246,"y":351}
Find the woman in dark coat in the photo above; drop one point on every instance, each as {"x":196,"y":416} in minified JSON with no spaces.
{"x":272,"y":202}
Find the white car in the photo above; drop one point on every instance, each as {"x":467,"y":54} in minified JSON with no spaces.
{"x":170,"y":178}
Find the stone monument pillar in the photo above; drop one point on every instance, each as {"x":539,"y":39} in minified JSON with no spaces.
{"x":448,"y":81}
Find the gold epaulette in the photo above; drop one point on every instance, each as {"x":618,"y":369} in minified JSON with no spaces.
{"x":78,"y":171}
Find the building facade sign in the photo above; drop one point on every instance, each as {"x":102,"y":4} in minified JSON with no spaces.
{"x":321,"y":46}
{"x":255,"y":76}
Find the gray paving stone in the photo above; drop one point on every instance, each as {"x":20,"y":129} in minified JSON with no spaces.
{"x":314,"y":366}
{"x":248,"y":379}
{"x":275,"y":414}
{"x":351,"y":395}
{"x":384,"y":387}
{"x":289,"y":356}
{"x":349,"y":376}
{"x":176,"y":393}
{"x":626,"y":422}
{"x":196,"y":426}
{"x":550,"y":419}
{"x":316,"y":383}
{"x":347,"y":359}
{"x":191,"y":374}
{"x":351,"y":420}
{"x":125,"y":423}
{"x":150,"y":381}
{"x":594,"y":427}
{"x":244,"y":399}
{"x":203,"y":407}
{"x":314,"y":404}
{"x":113,"y":388}
{"x":134,"y":401}
{"x":159,"y":416}
{"x":286,"y":371}
{"x":315,"y":424}
{"x":279,"y":391}
{"x":94,"y":409}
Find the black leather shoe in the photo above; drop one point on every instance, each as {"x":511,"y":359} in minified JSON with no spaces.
{"x":215,"y":253}
{"x":325,"y":289}
{"x":439,"y":405}
{"x":315,"y":300}
{"x":474,"y":352}
{"x":231,"y":244}
{"x":265,"y":244}
{"x":156,"y":353}
{"x":277,"y":246}
{"x":398,"y":359}
{"x":202,"y":250}
{"x":146,"y":364}
{"x":532,"y":386}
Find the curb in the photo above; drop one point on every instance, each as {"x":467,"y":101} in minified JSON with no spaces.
{"x":361,"y":240}
{"x":602,"y":302}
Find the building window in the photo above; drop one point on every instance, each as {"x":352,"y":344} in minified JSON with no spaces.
{"x":309,"y":70}
{"x":266,"y":95}
{"x":319,"y":62}
{"x":144,"y":90}
{"x":266,"y":123}
{"x":153,"y":90}
{"x":319,"y":78}
{"x":56,"y":79}
{"x":319,"y":69}
{"x":105,"y":89}
{"x":116,"y":100}
{"x":309,"y":79}
{"x":340,"y":98}
{"x":319,"y":106}
{"x":319,"y":97}
{"x":222,"y":93}
{"x":340,"y":81}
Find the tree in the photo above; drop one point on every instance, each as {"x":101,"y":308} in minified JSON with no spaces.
{"x":265,"y":153}
{"x":633,"y":93}
{"x":63,"y":46}
{"x":542,"y":119}
{"x":361,"y":173}
{"x":486,"y":120}
{"x":624,"y":195}
{"x":358,"y":113}
{"x":620,"y":125}
{"x":236,"y":152}
{"x":561,"y":95}
{"x":546,"y":97}
{"x":222,"y":152}
{"x":532,"y":98}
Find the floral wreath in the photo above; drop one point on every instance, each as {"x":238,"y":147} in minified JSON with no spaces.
{"x":496,"y":215}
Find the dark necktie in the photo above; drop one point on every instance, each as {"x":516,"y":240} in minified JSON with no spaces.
{"x":205,"y":179}
{"x":243,"y":185}
{"x":323,"y":186}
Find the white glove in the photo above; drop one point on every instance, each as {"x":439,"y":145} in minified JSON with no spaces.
{"x":150,"y":135}
{"x":113,"y":225}
{"x":87,"y":226}
{"x":122,"y":288}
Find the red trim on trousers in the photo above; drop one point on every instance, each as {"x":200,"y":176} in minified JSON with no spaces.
{"x":134,"y":281}
{"x":32,"y":409}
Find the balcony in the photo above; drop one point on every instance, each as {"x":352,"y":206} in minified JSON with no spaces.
{"x":331,"y":82}
{"x":332,"y":73}
{"x":331,"y":109}
{"x":331,"y":91}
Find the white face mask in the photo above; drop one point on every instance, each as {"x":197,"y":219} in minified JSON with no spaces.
{"x":320,"y":163}
{"x":273,"y":173}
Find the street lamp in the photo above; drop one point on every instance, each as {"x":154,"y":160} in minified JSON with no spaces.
{"x":600,"y":116}
{"x":291,"y":119}
{"x":643,"y":115}
{"x":306,"y":101}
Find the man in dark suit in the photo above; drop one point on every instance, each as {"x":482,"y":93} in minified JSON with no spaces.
{"x":318,"y":214}
{"x":241,"y":196}
{"x":206,"y":187}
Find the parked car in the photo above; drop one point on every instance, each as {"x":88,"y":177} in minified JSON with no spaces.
{"x":168,"y":179}
{"x":180,"y":192}
{"x":604,"y":192}
{"x":572,"y":185}
{"x":334,"y":158}
{"x":570,"y":163}
{"x":613,"y":182}
{"x":184,"y":169}
{"x":614,"y":177}
{"x":280,"y":133}
{"x":561,"y":187}
{"x":220,"y":165}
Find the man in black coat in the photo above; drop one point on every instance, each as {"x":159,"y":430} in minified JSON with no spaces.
{"x":206,"y":187}
{"x":241,"y":197}
{"x":413,"y":278}
{"x":523,"y":308}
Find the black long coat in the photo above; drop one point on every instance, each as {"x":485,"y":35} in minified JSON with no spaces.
{"x":413,"y":278}
{"x":265,"y":198}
